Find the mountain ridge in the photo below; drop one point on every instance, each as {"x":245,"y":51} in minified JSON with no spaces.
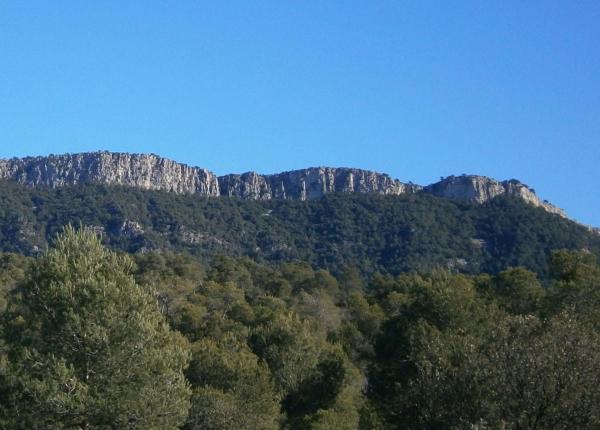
{"x":153,"y":172}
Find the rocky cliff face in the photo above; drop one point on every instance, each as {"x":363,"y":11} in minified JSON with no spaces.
{"x":310,"y":183}
{"x":151,"y":172}
{"x":146,"y":171}
{"x":481,"y":189}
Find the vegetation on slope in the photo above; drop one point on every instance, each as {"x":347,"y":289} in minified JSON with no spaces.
{"x":372,"y":233}
{"x":294,"y":347}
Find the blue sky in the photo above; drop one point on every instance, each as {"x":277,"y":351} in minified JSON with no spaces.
{"x":415,"y":89}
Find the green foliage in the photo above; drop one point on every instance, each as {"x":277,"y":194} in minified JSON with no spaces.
{"x":87,"y":347}
{"x":541,"y":374}
{"x":260,"y":361}
{"x":13,"y":268}
{"x":365,"y":233}
{"x":576,"y":284}
{"x":290,"y":346}
{"x":483,"y":352}
{"x":415,"y":377}
{"x":519,"y":291}
{"x":233,"y":389}
{"x":360,"y":328}
{"x":286,"y":324}
{"x":318,"y":391}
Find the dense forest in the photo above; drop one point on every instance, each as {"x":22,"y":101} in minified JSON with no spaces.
{"x":152,"y":310}
{"x":372,"y":233}
{"x":93,"y":338}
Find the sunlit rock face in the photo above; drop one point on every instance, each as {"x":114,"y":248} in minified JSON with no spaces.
{"x":310,"y":183}
{"x":250,"y":186}
{"x":151,"y":172}
{"x":481,"y":189}
{"x":145,"y":171}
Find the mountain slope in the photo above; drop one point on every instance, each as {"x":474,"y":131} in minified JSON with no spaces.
{"x":151,"y":172}
{"x":371,"y":231}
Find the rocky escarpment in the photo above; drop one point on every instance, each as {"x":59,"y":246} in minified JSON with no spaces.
{"x":149,"y":171}
{"x":146,"y":171}
{"x":481,"y":189}
{"x":310,"y":183}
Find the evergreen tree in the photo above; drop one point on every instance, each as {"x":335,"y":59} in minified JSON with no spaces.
{"x":232,"y":388}
{"x":88,"y":348}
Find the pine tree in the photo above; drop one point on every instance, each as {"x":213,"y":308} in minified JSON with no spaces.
{"x":88,"y":348}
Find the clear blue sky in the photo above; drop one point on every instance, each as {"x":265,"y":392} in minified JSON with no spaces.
{"x":416,"y":89}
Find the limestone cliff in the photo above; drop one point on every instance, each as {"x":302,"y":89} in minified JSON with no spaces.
{"x":146,"y":171}
{"x":149,"y":171}
{"x":310,"y":183}
{"x":481,"y":189}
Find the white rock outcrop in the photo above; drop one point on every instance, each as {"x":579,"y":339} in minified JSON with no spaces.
{"x":145,"y":171}
{"x":151,"y":172}
{"x":481,"y":189}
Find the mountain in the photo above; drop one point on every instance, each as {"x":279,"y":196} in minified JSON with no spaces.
{"x":328,"y":217}
{"x":146,"y":171}
{"x":151,"y":172}
{"x":368,"y":231}
{"x":481,"y":189}
{"x":311,"y":183}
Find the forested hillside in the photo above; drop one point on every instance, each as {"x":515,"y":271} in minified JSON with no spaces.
{"x":94,"y":339}
{"x":157,"y":310}
{"x":307,"y":215}
{"x":372,"y":233}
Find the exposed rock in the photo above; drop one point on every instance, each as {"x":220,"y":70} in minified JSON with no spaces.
{"x":472,"y":188}
{"x":594,"y":230}
{"x":192,"y":237}
{"x":152,"y":172}
{"x":131,"y":229}
{"x":98,"y":230}
{"x":456,"y":263}
{"x":146,"y":171}
{"x":149,"y":171}
{"x":310,"y":183}
{"x":481,"y":189}
{"x":250,"y":186}
{"x":479,"y":243}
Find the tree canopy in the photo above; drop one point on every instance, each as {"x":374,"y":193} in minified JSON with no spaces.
{"x":91,"y":338}
{"x":86,"y":347}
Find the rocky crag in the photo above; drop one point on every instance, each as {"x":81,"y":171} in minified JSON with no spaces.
{"x":481,"y":189}
{"x":149,"y":171}
{"x":310,"y":183}
{"x":146,"y":171}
